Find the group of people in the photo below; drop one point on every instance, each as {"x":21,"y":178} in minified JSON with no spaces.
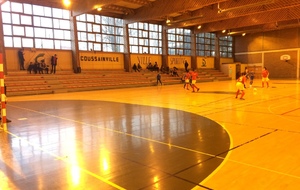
{"x":241,"y":81}
{"x":154,"y":67}
{"x":41,"y":67}
{"x":37,"y":67}
{"x":190,"y":79}
{"x":137,"y":67}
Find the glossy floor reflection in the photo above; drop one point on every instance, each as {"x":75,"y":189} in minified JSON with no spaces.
{"x":78,"y":140}
{"x":154,"y":138}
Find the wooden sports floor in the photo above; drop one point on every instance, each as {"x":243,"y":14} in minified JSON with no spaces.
{"x":160,"y":137}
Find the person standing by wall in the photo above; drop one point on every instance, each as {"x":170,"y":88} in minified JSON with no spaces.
{"x":21,"y":58}
{"x":186,"y":65}
{"x":265,"y":77}
{"x":53,"y":64}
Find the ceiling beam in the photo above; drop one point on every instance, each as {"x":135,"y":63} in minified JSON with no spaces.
{"x":86,"y":6}
{"x":207,"y":15}
{"x":164,"y":8}
{"x":250,"y":21}
{"x":2,"y":1}
{"x":139,"y":2}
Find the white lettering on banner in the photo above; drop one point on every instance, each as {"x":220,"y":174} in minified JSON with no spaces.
{"x":177,"y":60}
{"x":98,"y":58}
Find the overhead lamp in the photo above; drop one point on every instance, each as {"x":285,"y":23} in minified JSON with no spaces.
{"x":67,"y":3}
{"x":199,"y":27}
{"x":168,"y":21}
{"x":244,"y":34}
{"x":99,"y":9}
{"x":223,"y":31}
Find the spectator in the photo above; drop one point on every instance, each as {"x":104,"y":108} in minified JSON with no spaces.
{"x":53,"y":63}
{"x":186,"y":65}
{"x":21,"y":59}
{"x":134,"y":67}
{"x":44,"y":67}
{"x":31,"y":67}
{"x":139,"y":67}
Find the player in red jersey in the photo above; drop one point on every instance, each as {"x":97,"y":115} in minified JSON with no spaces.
{"x":265,"y":77}
{"x":194,"y":76}
{"x":187,"y":77}
{"x":240,"y":86}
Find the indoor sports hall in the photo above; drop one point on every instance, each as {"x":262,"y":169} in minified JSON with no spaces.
{"x":160,"y":137}
{"x":149,"y":94}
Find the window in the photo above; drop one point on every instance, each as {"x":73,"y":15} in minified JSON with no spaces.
{"x":35,"y":26}
{"x":205,"y":44}
{"x":145,"y":38}
{"x":179,"y":41}
{"x":225,"y":44}
{"x":100,"y":33}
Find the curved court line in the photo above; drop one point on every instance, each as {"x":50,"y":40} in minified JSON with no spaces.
{"x":225,"y":160}
{"x":121,"y":132}
{"x":143,"y":138}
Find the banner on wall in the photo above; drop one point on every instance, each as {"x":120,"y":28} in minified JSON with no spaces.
{"x":144,"y":60}
{"x":177,"y":60}
{"x":99,"y":58}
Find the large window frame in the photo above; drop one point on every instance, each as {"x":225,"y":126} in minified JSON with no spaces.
{"x":100,"y":33}
{"x":205,"y":44}
{"x":145,"y":38}
{"x":179,"y":41}
{"x":35,"y":26}
{"x":225,"y":45}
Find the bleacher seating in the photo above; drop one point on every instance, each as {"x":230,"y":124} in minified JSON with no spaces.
{"x":22,"y":83}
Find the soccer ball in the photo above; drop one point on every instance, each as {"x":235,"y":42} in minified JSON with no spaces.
{"x":254,"y":91}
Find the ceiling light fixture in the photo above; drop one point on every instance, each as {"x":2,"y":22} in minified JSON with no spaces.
{"x":223,"y":31}
{"x":168,"y":21}
{"x":199,"y":27}
{"x":99,"y":9}
{"x":67,"y":3}
{"x":244,"y":34}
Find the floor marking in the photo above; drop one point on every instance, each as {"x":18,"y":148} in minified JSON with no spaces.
{"x":120,"y":132}
{"x":280,"y":115}
{"x":65,"y":160}
{"x":243,"y":163}
{"x":290,"y":111}
{"x":220,"y":166}
{"x":115,"y":131}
